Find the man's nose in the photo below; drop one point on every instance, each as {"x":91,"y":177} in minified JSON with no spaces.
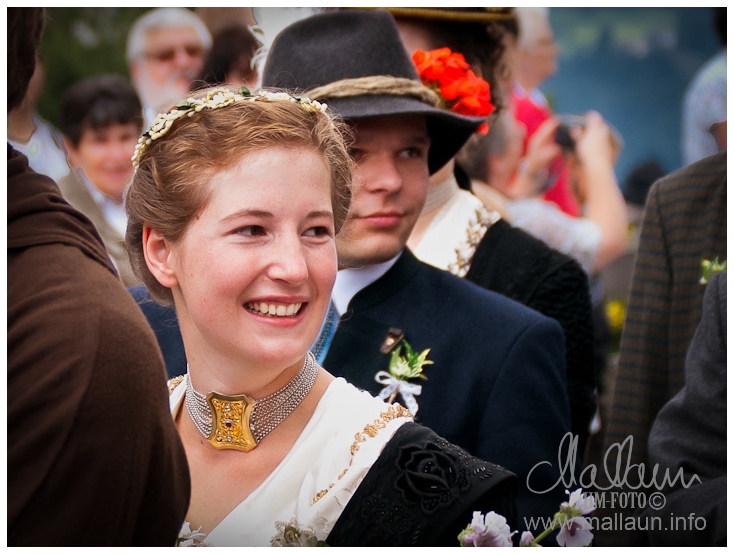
{"x":187,"y":55}
{"x":383,"y":175}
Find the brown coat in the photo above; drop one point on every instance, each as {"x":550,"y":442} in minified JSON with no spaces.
{"x":93,"y":455}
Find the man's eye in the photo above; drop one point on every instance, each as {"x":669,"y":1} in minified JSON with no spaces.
{"x":413,"y":152}
{"x":318,"y":232}
{"x":357,"y":154}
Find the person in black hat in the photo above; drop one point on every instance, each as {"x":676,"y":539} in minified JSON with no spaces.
{"x":496,"y":385}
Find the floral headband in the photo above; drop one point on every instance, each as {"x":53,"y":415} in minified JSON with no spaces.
{"x":215,"y":98}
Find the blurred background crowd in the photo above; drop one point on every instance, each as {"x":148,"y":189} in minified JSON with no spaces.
{"x":626,"y":63}
{"x":652,"y":76}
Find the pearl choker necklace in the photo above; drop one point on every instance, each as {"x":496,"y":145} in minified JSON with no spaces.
{"x":239,"y":422}
{"x":441,"y":193}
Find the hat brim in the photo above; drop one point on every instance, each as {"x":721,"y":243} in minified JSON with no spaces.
{"x":448,"y":131}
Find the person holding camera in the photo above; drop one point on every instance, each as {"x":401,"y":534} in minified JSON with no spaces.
{"x":590,"y":149}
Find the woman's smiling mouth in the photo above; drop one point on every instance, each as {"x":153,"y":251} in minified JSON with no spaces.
{"x":277,"y":310}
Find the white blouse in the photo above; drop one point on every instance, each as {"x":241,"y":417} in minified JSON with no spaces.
{"x":318,"y":477}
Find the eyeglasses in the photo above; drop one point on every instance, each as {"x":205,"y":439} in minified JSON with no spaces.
{"x":169,"y":54}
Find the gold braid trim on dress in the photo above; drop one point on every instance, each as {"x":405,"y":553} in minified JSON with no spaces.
{"x":375,"y":85}
{"x":370,"y":431}
{"x":478,"y":226}
{"x":173,"y":383}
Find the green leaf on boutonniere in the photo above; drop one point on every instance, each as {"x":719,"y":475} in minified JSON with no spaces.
{"x":709,"y":268}
{"x":409,"y":366}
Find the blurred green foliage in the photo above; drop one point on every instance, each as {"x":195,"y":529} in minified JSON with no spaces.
{"x":79,"y":43}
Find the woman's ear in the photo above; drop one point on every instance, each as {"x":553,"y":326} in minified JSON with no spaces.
{"x":159,"y":257}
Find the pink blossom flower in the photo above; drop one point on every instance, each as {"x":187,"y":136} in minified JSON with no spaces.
{"x":575,"y":529}
{"x":526,"y":539}
{"x":575,"y":532}
{"x":585,"y":503}
{"x":488,"y":530}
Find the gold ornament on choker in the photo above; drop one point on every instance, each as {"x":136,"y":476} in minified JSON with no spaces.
{"x":240,"y":422}
{"x":215,"y":98}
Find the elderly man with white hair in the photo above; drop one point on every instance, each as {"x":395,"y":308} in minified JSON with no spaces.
{"x":166,"y":48}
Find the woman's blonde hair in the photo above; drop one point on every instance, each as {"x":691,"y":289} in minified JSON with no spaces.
{"x":169,"y":188}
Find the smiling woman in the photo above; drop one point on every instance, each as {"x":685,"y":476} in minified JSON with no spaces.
{"x":234,"y":210}
{"x":264,"y":239}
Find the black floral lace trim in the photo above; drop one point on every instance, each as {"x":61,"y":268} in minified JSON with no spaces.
{"x":430,"y":476}
{"x":422,"y":491}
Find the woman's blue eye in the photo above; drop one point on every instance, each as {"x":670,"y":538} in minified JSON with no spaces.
{"x":251,"y":231}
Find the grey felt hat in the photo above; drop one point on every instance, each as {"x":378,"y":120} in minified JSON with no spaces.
{"x":349,"y":44}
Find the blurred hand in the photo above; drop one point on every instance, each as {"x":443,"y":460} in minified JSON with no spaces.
{"x":542,"y":146}
{"x":594,"y":144}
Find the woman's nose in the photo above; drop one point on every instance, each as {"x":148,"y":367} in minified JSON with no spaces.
{"x":289,"y":262}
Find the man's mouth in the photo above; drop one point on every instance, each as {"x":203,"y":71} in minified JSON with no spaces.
{"x":383,"y":219}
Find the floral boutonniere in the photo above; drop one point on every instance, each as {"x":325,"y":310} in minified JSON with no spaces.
{"x":709,"y":268}
{"x":189,"y":537}
{"x":491,"y":529}
{"x":293,"y":534}
{"x":448,"y":74}
{"x":401,"y":370}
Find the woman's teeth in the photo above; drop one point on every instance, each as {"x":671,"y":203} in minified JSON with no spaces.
{"x":277,"y":310}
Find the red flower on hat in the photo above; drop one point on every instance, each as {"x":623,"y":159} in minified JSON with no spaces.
{"x":448,"y":74}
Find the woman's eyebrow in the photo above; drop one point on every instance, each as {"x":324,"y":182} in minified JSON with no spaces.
{"x":248,"y":213}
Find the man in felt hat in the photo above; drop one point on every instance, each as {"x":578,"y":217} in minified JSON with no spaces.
{"x":496,"y":385}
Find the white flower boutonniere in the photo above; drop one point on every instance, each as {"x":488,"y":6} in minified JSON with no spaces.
{"x":293,"y":534}
{"x":187,"y":537}
{"x":401,"y":370}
